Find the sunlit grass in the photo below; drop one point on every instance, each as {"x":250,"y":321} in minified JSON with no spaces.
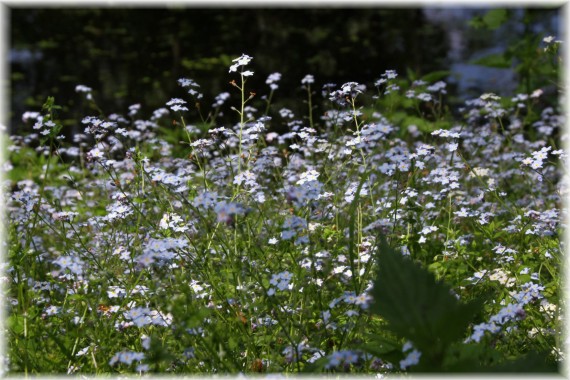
{"x":170,"y":243}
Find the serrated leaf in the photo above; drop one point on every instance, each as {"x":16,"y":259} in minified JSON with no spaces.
{"x":383,"y":348}
{"x":416,"y":306}
{"x":472,"y":357}
{"x":533,"y":362}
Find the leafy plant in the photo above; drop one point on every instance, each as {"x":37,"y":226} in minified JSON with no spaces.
{"x":424,"y":311}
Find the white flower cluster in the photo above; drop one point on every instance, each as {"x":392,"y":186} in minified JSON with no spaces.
{"x":241,"y":61}
{"x":173,"y":221}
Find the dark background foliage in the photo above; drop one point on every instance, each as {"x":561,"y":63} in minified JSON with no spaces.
{"x":136,"y":55}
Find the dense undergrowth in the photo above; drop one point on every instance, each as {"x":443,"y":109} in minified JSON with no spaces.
{"x":154,"y":243}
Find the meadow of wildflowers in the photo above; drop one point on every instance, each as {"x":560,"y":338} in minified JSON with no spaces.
{"x":163,"y":241}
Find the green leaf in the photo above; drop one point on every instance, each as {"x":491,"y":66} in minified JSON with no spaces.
{"x":48,"y":103}
{"x":495,"y":18}
{"x":436,"y":75}
{"x":533,"y":362}
{"x":411,"y":74}
{"x":416,"y":306}
{"x":16,"y":324}
{"x":383,"y":348}
{"x":472,"y":357}
{"x":422,"y":124}
{"x":397,"y":116}
{"x":476,"y":22}
{"x":493,"y":60}
{"x":317,"y":366}
{"x":437,"y":268}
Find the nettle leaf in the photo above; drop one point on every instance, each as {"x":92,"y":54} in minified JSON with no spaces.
{"x":383,"y":347}
{"x":416,"y":306}
{"x":471,"y":357}
{"x":533,"y":362}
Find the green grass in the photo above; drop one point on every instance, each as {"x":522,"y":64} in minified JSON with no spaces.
{"x":249,"y":251}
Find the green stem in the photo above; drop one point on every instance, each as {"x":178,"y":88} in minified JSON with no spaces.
{"x":310,"y":106}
